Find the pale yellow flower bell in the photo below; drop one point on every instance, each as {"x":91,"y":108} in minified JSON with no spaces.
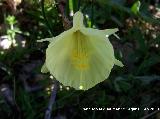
{"x":80,"y":57}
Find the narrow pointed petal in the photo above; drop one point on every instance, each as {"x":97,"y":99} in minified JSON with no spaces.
{"x":46,"y":39}
{"x":78,"y":21}
{"x":104,"y":33}
{"x":109,"y":32}
{"x":93,"y":32}
{"x":118,"y":63}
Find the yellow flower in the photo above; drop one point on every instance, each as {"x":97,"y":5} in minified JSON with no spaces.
{"x":80,"y":57}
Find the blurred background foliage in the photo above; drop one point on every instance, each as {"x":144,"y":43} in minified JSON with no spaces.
{"x":25,"y":91}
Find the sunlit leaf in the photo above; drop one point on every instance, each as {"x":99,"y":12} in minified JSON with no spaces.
{"x":135,"y":7}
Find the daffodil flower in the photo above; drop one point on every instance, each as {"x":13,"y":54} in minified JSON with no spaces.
{"x":80,"y":57}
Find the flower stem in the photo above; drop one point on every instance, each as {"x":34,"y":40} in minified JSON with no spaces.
{"x":79,"y":4}
{"x":45,"y":18}
{"x":92,"y":14}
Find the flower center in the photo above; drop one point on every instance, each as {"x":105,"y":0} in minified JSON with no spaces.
{"x":79,"y":60}
{"x":80,"y":53}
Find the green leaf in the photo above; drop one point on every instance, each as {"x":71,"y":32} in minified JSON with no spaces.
{"x":135,"y":7}
{"x":148,"y":79}
{"x":121,"y":84}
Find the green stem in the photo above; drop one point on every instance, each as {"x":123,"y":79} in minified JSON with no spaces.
{"x":92,"y":14}
{"x":45,"y":18}
{"x":79,"y":4}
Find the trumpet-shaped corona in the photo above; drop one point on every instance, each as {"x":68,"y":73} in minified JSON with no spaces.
{"x":80,"y":57}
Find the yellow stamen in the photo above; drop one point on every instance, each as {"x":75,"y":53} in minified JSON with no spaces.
{"x":79,"y":60}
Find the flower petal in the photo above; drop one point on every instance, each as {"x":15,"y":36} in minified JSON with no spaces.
{"x":78,"y":21}
{"x":105,"y":33}
{"x":109,"y":32}
{"x":80,"y":57}
{"x":118,"y":63}
{"x":80,"y":61}
{"x":46,"y":39}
